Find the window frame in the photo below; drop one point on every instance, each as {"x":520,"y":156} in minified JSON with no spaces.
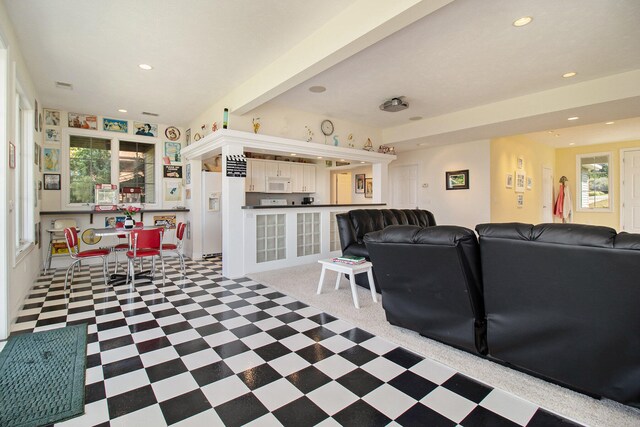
{"x":578,"y":186}
{"x":115,"y":163}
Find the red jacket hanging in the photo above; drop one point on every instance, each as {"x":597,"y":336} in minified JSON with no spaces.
{"x":557,"y":210}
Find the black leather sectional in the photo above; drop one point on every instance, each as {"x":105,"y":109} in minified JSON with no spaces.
{"x":355,"y":224}
{"x":559,"y":301}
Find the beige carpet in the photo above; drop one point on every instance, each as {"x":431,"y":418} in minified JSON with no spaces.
{"x":301,"y":282}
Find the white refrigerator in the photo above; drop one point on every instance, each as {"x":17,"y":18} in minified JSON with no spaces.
{"x":211,"y":213}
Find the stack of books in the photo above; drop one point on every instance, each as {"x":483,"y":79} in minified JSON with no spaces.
{"x":349,"y":259}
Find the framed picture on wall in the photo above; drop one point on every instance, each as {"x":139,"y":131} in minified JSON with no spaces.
{"x":359,"y":185}
{"x":172,"y":151}
{"x":82,"y":121}
{"x":51,"y":181}
{"x":368,"y":188}
{"x":51,"y":117}
{"x":509,"y":181}
{"x":457,"y":180}
{"x":520,"y":181}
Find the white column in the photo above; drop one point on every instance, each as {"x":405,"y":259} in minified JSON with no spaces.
{"x":232,"y":218}
{"x":193,"y":243}
{"x":380,"y":182}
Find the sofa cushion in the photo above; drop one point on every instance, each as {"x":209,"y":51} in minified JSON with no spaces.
{"x":574,"y":234}
{"x":627,"y":241}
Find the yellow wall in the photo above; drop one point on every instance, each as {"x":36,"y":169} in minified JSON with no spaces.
{"x":504,"y":155}
{"x":566,"y":165}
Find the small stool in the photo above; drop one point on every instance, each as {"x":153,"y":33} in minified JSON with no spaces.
{"x":351,"y":270}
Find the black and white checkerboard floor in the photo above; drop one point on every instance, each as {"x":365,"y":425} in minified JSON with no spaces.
{"x":205,"y":350}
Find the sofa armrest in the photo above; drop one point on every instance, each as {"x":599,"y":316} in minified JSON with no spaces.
{"x":345,"y":231}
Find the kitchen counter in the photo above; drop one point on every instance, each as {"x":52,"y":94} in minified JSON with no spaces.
{"x":357,"y":205}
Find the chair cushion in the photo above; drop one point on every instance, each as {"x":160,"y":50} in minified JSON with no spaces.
{"x":169,"y":246}
{"x":144,"y":253}
{"x":93,"y":252}
{"x":121,"y":246}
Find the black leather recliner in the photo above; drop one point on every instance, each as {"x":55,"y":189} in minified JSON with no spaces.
{"x":355,"y":224}
{"x":562,"y":302}
{"x":431,"y":282}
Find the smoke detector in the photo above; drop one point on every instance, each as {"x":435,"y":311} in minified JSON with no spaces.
{"x":394,"y":104}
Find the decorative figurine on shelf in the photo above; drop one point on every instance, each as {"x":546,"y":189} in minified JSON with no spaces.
{"x":392,"y":151}
{"x":383,"y":149}
{"x":214,"y":127}
{"x":335,"y":140}
{"x":350,"y":141}
{"x":204,"y":129}
{"x":256,"y":124}
{"x":309,"y":134}
{"x":368,"y":146}
{"x":225,"y":118}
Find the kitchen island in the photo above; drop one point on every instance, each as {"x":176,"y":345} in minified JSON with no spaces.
{"x":288,"y":235}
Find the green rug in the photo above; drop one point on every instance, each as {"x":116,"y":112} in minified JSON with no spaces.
{"x":42,"y":377}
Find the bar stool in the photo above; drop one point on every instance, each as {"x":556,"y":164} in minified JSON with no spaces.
{"x":56,"y":237}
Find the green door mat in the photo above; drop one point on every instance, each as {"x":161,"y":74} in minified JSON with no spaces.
{"x":42,"y":377}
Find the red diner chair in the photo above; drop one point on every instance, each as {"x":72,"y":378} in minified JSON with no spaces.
{"x":71,"y":236}
{"x":145,"y":244}
{"x":122,"y":246}
{"x":177,"y":247}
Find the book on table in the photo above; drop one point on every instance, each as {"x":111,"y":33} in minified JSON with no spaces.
{"x":349,"y":259}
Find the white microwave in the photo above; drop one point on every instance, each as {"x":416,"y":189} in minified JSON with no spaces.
{"x":278,"y":184}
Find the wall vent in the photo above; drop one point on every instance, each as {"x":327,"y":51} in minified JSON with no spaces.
{"x":63,"y":85}
{"x":146,"y":113}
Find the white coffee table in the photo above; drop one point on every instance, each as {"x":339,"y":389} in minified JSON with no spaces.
{"x":351,"y":270}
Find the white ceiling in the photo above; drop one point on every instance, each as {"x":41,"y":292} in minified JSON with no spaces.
{"x":597,"y":133}
{"x":459,"y":57}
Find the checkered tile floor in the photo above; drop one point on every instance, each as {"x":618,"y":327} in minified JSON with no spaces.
{"x":205,"y":350}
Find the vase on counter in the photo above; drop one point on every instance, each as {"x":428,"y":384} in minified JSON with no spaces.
{"x":129,"y":222}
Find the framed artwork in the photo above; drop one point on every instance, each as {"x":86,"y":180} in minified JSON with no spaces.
{"x":172,"y":191}
{"x":166,"y":221}
{"x":359,"y":187}
{"x":172,"y":171}
{"x":35,"y":115}
{"x":368,"y":188}
{"x":529,"y":183}
{"x":36,"y":153}
{"x":172,"y":133}
{"x":145,"y":129}
{"x":51,"y":117}
{"x":187,"y":136}
{"x":457,"y":180}
{"x":51,"y":181}
{"x":51,"y":135}
{"x":111,"y":221}
{"x":520,"y":181}
{"x":83,"y":121}
{"x":520,"y":200}
{"x":51,"y":159}
{"x":172,"y":151}
{"x":187,"y":194}
{"x":509,"y":181}
{"x":188,"y":173}
{"x":39,"y":122}
{"x":39,"y":190}
{"x":520,"y":162}
{"x":114,"y":125}
{"x":12,"y":155}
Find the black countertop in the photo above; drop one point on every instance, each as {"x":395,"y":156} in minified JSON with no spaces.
{"x":360,"y":205}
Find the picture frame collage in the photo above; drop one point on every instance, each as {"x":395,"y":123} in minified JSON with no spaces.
{"x":519,"y":181}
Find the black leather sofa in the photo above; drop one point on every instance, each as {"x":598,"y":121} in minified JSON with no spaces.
{"x":431,"y":282}
{"x":561,"y":301}
{"x":355,"y":224}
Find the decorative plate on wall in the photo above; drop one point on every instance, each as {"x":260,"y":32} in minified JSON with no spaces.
{"x":172,"y":133}
{"x":89,"y":237}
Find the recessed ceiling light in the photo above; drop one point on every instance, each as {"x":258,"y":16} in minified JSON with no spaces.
{"x":292,"y":154}
{"x":122,"y":110}
{"x":413,"y":119}
{"x":551,"y":132}
{"x":569,"y":74}
{"x":362,"y":162}
{"x":573,"y":118}
{"x":319,"y":157}
{"x":521,"y":22}
{"x":145,"y":67}
{"x":572,"y":143}
{"x":342,"y":160}
{"x":609,"y":123}
{"x":317,"y":89}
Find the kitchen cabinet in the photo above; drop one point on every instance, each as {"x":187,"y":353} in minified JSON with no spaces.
{"x":309,"y":178}
{"x":303,"y":178}
{"x":255,"y":180}
{"x":278,"y":169}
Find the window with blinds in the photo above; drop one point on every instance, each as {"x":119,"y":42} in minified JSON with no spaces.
{"x":137,"y":168}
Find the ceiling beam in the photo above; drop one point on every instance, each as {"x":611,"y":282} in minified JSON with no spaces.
{"x":359,"y":26}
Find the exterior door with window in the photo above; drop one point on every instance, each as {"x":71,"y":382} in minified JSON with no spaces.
{"x":631,"y":192}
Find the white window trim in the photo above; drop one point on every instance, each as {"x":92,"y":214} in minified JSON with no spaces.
{"x":115,"y":148}
{"x":577,"y":189}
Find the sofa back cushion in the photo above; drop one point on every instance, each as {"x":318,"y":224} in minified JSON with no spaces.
{"x":431,"y":282}
{"x":562,"y":301}
{"x":367,"y":220}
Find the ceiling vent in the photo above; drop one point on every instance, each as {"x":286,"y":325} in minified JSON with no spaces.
{"x":63,"y":85}
{"x":394,"y":105}
{"x":146,"y":113}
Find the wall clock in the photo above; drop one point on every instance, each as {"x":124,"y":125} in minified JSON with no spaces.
{"x":326,"y":127}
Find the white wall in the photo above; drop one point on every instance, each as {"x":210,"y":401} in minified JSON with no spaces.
{"x":16,"y":275}
{"x":456,"y":207}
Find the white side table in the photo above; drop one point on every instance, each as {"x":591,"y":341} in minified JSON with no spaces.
{"x":351,"y":270}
